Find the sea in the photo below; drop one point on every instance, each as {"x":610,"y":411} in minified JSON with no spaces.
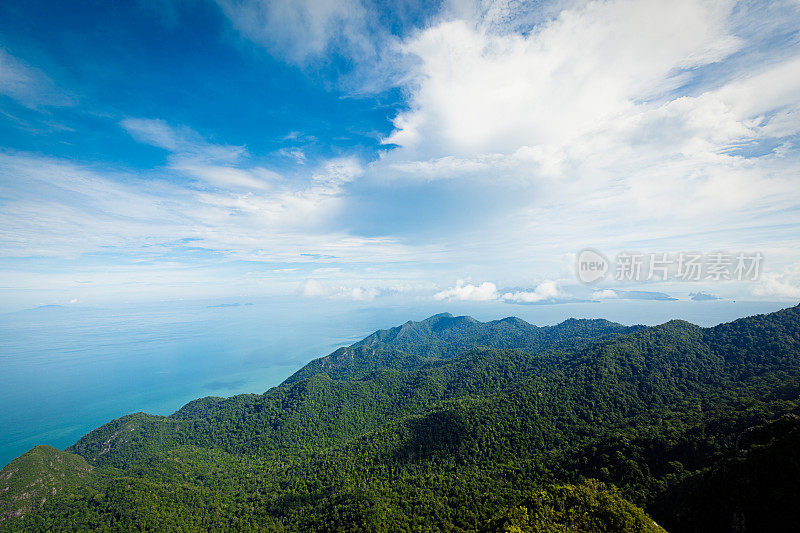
{"x":65,"y":370}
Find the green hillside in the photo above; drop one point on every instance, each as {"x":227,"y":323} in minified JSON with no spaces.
{"x":442,"y":336}
{"x":41,"y":473}
{"x":497,"y":426}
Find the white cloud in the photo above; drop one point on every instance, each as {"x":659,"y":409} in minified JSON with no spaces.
{"x":339,"y":171}
{"x":544,"y":291}
{"x":28,"y":85}
{"x":600,"y":113}
{"x":221,"y":176}
{"x":295,"y":154}
{"x":301,"y":207}
{"x":478,"y":91}
{"x":158,"y":133}
{"x":217,"y":165}
{"x":182,"y":141}
{"x":353,"y":42}
{"x":782,"y":285}
{"x":466,"y":291}
{"x":361,"y":294}
{"x":302,"y":30}
{"x":312,"y":288}
{"x":54,"y":208}
{"x":605,"y":294}
{"x":227,"y":168}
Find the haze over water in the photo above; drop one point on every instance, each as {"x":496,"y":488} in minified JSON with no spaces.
{"x":65,"y":371}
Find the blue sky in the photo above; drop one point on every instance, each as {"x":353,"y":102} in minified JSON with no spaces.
{"x":373,"y":151}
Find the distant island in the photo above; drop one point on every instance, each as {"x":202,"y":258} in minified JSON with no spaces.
{"x":703,"y":297}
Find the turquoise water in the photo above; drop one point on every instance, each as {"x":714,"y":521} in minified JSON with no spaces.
{"x":65,"y":371}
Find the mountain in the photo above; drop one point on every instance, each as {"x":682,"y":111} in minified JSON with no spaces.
{"x":29,"y":480}
{"x":442,"y":336}
{"x":455,"y":424}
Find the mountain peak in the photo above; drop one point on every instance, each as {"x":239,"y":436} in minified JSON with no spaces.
{"x":40,"y":473}
{"x":438,"y":316}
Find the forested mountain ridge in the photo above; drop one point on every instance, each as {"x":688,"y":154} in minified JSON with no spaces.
{"x":313,"y":411}
{"x":488,"y":439}
{"x":442,"y":336}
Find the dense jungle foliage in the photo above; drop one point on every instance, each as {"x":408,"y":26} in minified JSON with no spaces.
{"x":451,"y":424}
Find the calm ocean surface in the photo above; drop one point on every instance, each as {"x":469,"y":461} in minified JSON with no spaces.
{"x":65,"y":371}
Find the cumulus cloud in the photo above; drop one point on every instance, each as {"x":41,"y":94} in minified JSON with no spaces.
{"x":782,"y":285}
{"x":545,"y":291}
{"x":483,"y":91}
{"x":606,"y":116}
{"x":605,"y":294}
{"x":467,"y":291}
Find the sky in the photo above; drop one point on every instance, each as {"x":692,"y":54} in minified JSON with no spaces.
{"x":377,"y":151}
